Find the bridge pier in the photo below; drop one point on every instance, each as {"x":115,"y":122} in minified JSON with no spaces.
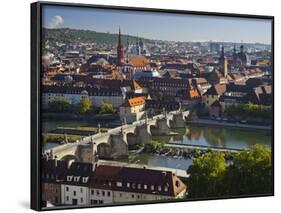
{"x":178,"y":121}
{"x":161,"y":127}
{"x":141,"y":135}
{"x":115,"y":148}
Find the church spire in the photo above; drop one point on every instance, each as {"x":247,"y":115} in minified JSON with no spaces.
{"x":119,"y":37}
{"x":222,"y":51}
{"x":120,"y":50}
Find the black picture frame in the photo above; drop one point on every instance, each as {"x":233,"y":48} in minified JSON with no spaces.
{"x":36,"y":23}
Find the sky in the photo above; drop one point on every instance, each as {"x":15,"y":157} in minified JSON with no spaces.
{"x":160,"y":26}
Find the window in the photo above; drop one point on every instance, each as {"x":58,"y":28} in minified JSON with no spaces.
{"x":133,"y":195}
{"x":159,"y":188}
{"x":92,"y":192}
{"x":81,"y":190}
{"x":165,"y":188}
{"x":177,"y":183}
{"x":128,"y":185}
{"x":152,"y":187}
{"x":120,"y":195}
{"x":145,"y":186}
{"x":119,"y":184}
{"x":103,"y":193}
{"x":67,"y":197}
{"x":138,"y":196}
{"x":98,"y":192}
{"x":74,"y":193}
{"x":67,"y":189}
{"x":81,"y":200}
{"x":139,"y":186}
{"x":108,"y":194}
{"x":133,"y":185}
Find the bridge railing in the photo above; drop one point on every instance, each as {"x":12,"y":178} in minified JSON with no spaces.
{"x":116,"y":130}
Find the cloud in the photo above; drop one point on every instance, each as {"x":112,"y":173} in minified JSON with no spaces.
{"x":56,"y":22}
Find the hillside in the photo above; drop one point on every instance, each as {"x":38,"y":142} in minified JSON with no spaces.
{"x":66,"y":35}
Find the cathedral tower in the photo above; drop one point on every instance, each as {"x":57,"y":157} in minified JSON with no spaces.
{"x":120,"y":50}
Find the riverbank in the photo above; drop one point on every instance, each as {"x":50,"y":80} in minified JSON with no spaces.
{"x":68,"y":116}
{"x":237,"y":125}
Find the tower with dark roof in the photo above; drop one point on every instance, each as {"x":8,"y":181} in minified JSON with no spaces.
{"x":223,"y":63}
{"x":120,"y":50}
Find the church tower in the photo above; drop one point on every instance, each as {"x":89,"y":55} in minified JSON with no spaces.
{"x":120,"y":50}
{"x":223,"y":63}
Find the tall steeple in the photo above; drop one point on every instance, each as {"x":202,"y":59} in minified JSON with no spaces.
{"x":223,"y":63}
{"x":120,"y":50}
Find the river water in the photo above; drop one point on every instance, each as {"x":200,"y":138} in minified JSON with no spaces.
{"x":208,"y":136}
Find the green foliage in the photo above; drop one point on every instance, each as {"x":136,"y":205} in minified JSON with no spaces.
{"x":60,"y":105}
{"x":70,"y":36}
{"x":58,"y":138}
{"x":84,"y":105}
{"x":153,"y":146}
{"x":206,"y":175}
{"x":249,"y":173}
{"x":252,"y":170}
{"x":107,"y":108}
{"x":250,"y":110}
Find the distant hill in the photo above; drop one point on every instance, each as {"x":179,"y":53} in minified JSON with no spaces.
{"x":66,"y":35}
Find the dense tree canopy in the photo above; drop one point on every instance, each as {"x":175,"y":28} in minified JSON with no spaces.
{"x":250,"y":172}
{"x":250,"y":110}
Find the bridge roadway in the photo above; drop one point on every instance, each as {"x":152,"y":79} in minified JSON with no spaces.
{"x":203,"y":147}
{"x":98,"y":138}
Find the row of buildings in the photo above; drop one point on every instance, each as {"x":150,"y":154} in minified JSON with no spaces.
{"x":93,"y":184}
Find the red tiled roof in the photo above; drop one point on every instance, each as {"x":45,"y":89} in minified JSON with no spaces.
{"x":137,"y":101}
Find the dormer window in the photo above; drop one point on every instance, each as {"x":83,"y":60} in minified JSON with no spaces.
{"x":119,"y":184}
{"x":128,"y":185}
{"x":76,"y":178}
{"x":165,"y":188}
{"x":85,"y":179}
{"x":145,"y":186}
{"x":159,"y":188}
{"x":139,"y":186}
{"x":69,"y":178}
{"x":152,"y":187}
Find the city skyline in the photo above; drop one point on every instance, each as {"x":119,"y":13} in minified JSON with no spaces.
{"x":182,"y":27}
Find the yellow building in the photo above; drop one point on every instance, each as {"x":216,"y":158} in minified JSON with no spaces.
{"x":132,"y":109}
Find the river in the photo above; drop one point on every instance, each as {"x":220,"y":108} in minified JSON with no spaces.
{"x":209,"y":136}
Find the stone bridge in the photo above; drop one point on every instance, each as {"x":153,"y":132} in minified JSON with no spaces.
{"x":113,"y":144}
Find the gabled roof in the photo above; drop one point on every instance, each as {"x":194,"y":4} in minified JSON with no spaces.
{"x":216,"y":104}
{"x":78,"y":174}
{"x":131,"y":102}
{"x":135,"y":85}
{"x":134,"y":180}
{"x":217,"y":89}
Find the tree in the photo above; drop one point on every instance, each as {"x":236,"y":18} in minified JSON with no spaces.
{"x":60,"y":105}
{"x":251,"y":172}
{"x":206,"y":175}
{"x":106,"y":108}
{"x":84,"y":105}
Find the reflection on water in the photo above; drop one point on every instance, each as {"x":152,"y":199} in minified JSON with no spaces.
{"x":152,"y":160}
{"x":220,"y":137}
